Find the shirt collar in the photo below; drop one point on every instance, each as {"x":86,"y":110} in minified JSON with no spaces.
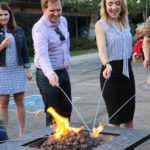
{"x":48,"y":22}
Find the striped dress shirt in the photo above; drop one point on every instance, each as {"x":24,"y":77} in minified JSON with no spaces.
{"x":118,"y":44}
{"x":50,"y":52}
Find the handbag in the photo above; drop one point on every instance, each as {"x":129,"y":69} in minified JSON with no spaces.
{"x":2,"y":35}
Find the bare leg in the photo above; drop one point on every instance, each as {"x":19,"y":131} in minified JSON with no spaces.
{"x":128,"y":125}
{"x":4,"y":100}
{"x":114,"y":125}
{"x":20,"y":111}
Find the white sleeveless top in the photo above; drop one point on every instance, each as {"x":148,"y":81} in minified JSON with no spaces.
{"x":118,"y":44}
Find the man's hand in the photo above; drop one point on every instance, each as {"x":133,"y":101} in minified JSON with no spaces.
{"x":107,"y":71}
{"x":146,"y":64}
{"x":67,"y":66}
{"x":53,"y":80}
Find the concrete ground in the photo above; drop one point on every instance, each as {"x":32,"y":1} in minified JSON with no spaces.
{"x":84,"y":74}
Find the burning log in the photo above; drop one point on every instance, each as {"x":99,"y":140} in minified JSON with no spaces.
{"x":66,"y":137}
{"x":72,"y":141}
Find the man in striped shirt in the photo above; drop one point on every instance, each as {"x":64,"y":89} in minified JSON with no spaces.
{"x":51,"y":43}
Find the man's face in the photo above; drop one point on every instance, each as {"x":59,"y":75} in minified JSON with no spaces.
{"x":53,"y":11}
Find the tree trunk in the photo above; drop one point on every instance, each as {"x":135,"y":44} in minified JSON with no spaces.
{"x":144,"y":15}
{"x":91,"y":35}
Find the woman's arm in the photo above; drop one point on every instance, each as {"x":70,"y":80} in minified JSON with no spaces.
{"x":101,"y":44}
{"x":146,"y":51}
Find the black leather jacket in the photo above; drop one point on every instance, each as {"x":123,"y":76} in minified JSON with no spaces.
{"x":21,"y":48}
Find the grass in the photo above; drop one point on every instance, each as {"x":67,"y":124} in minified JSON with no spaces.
{"x":74,"y":53}
{"x":81,"y":52}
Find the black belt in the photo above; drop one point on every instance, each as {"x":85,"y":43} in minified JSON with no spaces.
{"x":57,"y":71}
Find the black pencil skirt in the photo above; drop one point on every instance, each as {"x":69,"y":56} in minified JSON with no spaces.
{"x":118,"y":90}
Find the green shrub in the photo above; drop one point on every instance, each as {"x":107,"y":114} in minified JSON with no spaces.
{"x":133,"y":27}
{"x":81,"y":44}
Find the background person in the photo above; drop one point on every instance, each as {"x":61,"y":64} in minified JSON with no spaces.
{"x":51,"y":43}
{"x":114,"y":42}
{"x":14,"y":59}
{"x":146,"y":50}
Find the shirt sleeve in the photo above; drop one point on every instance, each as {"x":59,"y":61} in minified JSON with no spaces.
{"x":68,"y":41}
{"x":68,"y":45}
{"x":40,"y":42}
{"x":148,"y":23}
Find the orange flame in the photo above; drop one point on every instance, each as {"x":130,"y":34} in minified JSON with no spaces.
{"x":97,"y":131}
{"x":62,"y":124}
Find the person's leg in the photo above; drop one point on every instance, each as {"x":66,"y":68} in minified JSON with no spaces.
{"x":128,"y":125}
{"x":20,"y":111}
{"x":49,"y":94}
{"x":65,"y":105}
{"x":4,"y":100}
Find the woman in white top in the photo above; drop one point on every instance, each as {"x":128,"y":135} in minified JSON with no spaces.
{"x":114,"y":41}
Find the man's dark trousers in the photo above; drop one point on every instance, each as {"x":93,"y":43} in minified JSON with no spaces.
{"x":53,"y":96}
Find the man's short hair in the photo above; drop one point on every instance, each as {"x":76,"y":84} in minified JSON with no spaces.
{"x":44,"y":3}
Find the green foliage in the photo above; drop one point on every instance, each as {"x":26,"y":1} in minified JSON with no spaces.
{"x":82,"y":44}
{"x":136,"y":7}
{"x":84,"y":6}
{"x":133,"y":27}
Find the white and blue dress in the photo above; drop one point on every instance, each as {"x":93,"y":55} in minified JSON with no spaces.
{"x":12,"y":76}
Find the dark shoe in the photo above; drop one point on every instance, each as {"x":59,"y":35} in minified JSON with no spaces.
{"x":3,"y":132}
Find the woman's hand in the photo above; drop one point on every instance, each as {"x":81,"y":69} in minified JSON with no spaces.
{"x":146,"y":64}
{"x":107,"y":71}
{"x":28,"y":74}
{"x":5,"y":43}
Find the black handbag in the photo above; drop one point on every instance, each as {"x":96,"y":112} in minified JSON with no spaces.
{"x":3,"y":52}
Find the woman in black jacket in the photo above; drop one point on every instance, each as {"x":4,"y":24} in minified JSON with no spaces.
{"x":14,"y":60}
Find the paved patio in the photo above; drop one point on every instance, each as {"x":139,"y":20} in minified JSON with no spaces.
{"x":84,"y":74}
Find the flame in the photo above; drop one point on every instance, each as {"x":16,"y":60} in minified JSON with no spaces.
{"x":62,"y":124}
{"x":97,"y":131}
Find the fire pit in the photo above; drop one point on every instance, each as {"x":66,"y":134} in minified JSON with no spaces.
{"x":80,"y":141}
{"x":113,"y":138}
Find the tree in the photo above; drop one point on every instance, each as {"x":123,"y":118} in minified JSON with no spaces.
{"x":5,"y":1}
{"x":136,"y":7}
{"x":90,"y":7}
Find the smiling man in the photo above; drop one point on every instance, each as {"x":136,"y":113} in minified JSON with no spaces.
{"x":51,"y":43}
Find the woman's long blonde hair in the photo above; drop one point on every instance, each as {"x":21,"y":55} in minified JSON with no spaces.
{"x":123,"y":13}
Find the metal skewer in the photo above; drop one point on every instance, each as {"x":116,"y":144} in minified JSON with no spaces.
{"x":121,"y":107}
{"x":99,"y":103}
{"x":75,"y":108}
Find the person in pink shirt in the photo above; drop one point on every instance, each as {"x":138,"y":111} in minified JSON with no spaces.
{"x":51,"y":43}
